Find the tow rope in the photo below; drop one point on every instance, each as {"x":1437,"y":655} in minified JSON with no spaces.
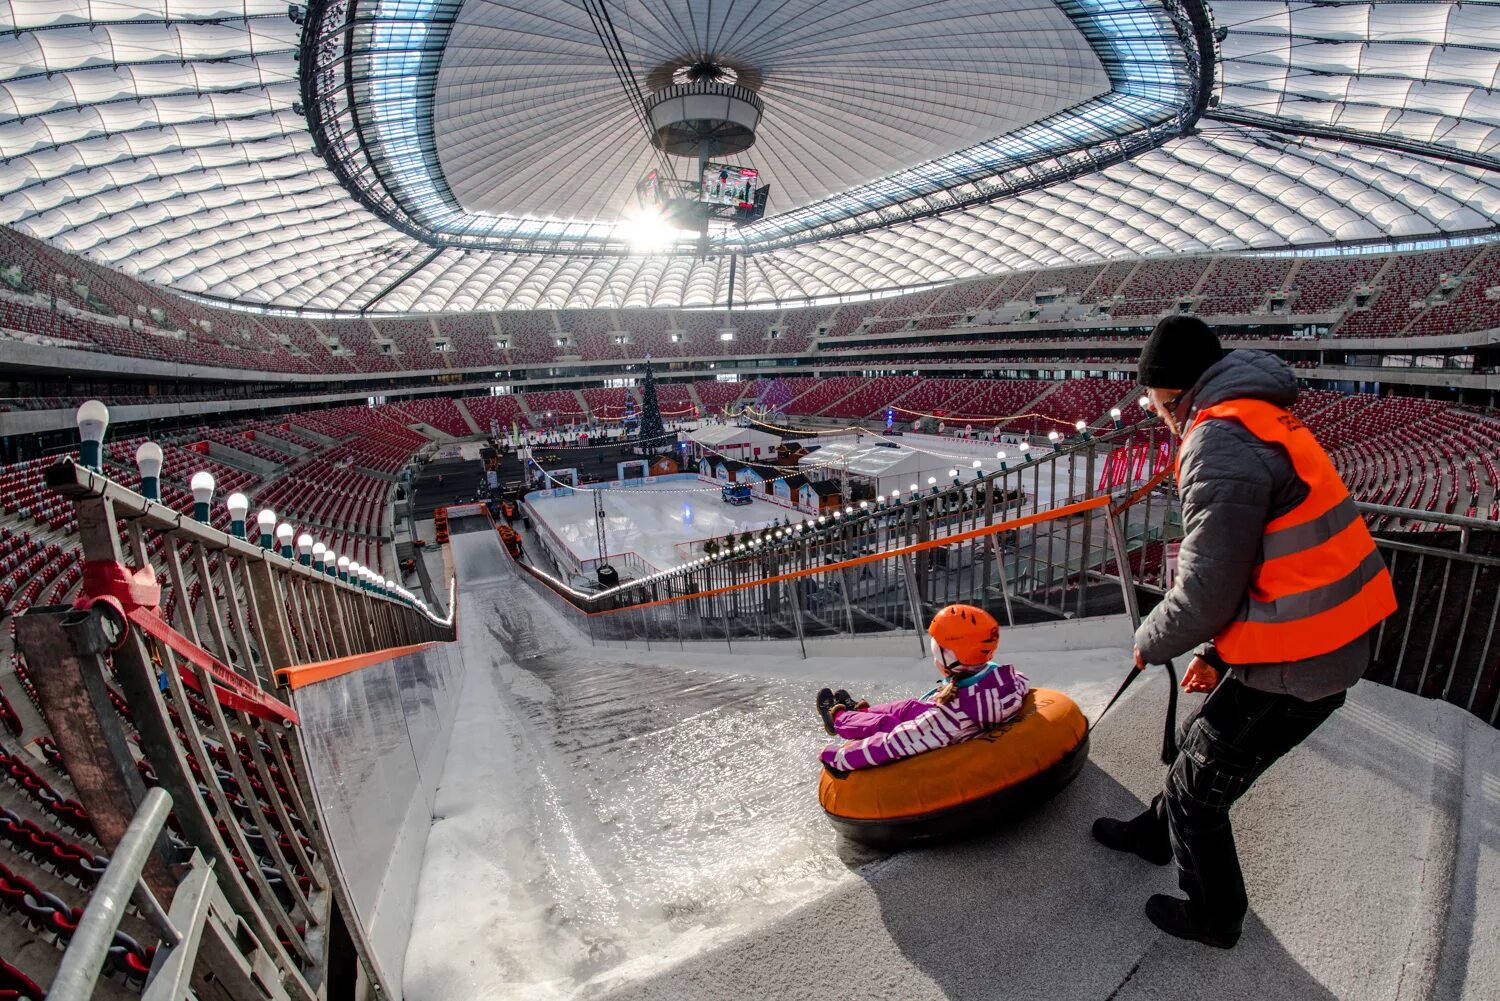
{"x":1169,"y":731}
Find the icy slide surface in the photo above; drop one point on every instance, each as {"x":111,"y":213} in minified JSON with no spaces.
{"x":633,"y":825}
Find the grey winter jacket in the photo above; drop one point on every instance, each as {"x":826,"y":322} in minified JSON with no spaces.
{"x":1231,"y":484}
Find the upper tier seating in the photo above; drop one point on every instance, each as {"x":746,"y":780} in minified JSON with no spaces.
{"x":1240,"y":284}
{"x":1156,"y":287}
{"x":1407,"y":280}
{"x":50,"y":298}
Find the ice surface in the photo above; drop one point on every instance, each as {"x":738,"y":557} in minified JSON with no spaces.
{"x":650,"y":520}
{"x":606,"y":813}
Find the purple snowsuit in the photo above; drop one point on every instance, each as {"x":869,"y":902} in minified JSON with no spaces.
{"x":885,"y":733}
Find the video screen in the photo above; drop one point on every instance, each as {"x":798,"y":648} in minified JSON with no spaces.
{"x":726,"y":184}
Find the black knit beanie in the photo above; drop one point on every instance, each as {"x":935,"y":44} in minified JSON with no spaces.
{"x":1177,"y":353}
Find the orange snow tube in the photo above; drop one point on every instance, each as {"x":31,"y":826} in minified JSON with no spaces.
{"x":965,"y":788}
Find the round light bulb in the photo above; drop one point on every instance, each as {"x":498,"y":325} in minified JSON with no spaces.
{"x":952,"y":472}
{"x":1145,"y":402}
{"x":266,"y":519}
{"x":284,"y":533}
{"x":1053,"y":436}
{"x":93,"y":420}
{"x":931,"y":480}
{"x":1080,"y":425}
{"x":319,"y":552}
{"x":1025,"y":447}
{"x":1000,"y":456}
{"x":238,"y":506}
{"x":1115,"y":413}
{"x":880,"y":499}
{"x":148,"y":459}
{"x":305,"y":544}
{"x":915,"y":487}
{"x":202,"y":486}
{"x":342,"y":563}
{"x":975,"y":463}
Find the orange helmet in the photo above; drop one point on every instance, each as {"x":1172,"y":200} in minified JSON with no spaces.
{"x":971,"y":633}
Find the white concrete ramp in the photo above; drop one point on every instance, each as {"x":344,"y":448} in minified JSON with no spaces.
{"x":624,"y":825}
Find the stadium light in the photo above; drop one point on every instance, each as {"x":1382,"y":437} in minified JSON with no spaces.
{"x":304,"y":549}
{"x":341,"y":566}
{"x":238,"y":506}
{"x":266,"y":522}
{"x":92,"y":420}
{"x":284,"y":533}
{"x":1114,"y":415}
{"x":319,"y":555}
{"x":202,"y":485}
{"x":148,"y":461}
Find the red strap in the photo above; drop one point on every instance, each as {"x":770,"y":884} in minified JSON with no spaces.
{"x":232,"y":690}
{"x":108,"y":579}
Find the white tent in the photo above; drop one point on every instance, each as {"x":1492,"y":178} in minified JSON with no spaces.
{"x":888,"y":468}
{"x":745,"y":444}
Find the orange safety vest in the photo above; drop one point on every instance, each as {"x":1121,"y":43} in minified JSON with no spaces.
{"x":1320,"y":583}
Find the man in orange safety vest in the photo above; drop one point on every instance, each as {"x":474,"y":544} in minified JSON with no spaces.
{"x":1278,"y":589}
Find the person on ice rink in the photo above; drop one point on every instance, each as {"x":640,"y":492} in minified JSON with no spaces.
{"x":976,"y":694}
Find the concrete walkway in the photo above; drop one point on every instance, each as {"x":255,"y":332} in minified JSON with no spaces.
{"x":1372,"y":856}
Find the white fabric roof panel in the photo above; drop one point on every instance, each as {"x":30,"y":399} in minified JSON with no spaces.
{"x":169,"y":147}
{"x":851,"y":88}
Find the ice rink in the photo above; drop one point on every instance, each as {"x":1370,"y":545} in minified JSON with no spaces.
{"x":650,"y":520}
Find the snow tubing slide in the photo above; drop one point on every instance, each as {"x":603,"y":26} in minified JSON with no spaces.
{"x":963,"y":789}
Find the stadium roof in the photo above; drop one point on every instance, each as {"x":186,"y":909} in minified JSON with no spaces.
{"x":394,"y":155}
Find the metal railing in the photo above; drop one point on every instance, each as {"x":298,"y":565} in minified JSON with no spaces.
{"x":197,"y":685}
{"x":1047,"y":540}
{"x":784,"y":594}
{"x":1039,"y":562}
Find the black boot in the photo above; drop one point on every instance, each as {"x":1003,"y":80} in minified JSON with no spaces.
{"x":843,"y":698}
{"x":1131,"y":836}
{"x":1182,"y":918}
{"x":826,"y":702}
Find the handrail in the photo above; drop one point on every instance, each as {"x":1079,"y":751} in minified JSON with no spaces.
{"x":1432,"y":517}
{"x":75,"y":481}
{"x":78,"y":973}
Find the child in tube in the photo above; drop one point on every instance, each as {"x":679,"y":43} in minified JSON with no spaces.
{"x":975,"y":695}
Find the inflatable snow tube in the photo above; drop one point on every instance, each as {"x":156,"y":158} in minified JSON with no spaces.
{"x":966,"y":788}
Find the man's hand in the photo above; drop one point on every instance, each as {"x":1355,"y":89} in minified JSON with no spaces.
{"x":1140,"y":662}
{"x":1200,"y":677}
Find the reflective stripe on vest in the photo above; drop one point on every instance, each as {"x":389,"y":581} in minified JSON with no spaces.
{"x":1320,"y":582}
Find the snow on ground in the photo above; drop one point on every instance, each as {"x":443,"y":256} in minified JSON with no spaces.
{"x":650,"y":520}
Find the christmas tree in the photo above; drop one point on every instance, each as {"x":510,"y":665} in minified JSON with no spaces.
{"x":653,"y":435}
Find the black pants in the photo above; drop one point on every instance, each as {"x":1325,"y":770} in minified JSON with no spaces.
{"x":1224,"y":747}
